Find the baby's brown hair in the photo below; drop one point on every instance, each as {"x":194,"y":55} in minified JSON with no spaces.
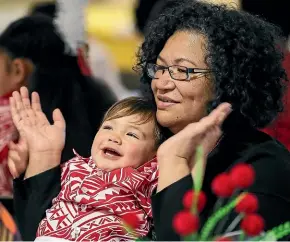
{"x":136,"y":106}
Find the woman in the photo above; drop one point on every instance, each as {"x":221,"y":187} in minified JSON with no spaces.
{"x":196,"y":56}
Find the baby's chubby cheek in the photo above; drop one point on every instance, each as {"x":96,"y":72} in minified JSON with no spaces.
{"x":94,"y":155}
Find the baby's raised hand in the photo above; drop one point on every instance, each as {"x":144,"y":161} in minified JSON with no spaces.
{"x":41,"y":136}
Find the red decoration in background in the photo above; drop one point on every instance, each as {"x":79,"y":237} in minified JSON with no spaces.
{"x":188,"y":200}
{"x":252,"y":224}
{"x":222,"y":186}
{"x":242,"y":175}
{"x":131,"y":219}
{"x":185,"y":223}
{"x":248,"y":204}
{"x":83,"y":63}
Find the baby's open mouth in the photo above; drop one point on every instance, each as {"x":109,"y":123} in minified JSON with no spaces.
{"x":111,"y":152}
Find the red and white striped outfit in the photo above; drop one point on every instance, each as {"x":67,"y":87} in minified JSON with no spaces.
{"x":91,"y":202}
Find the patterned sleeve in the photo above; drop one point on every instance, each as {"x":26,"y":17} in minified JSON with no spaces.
{"x":66,"y":168}
{"x":146,"y":190}
{"x":70,"y":22}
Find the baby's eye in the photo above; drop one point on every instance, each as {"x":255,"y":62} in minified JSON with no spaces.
{"x":133,"y":135}
{"x":107,"y":127}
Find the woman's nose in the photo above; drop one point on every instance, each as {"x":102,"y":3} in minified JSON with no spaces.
{"x":164,"y":82}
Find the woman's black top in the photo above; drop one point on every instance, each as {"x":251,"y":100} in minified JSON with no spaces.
{"x":269,"y":158}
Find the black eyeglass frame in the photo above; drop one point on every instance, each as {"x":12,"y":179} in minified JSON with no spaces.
{"x":188,"y":71}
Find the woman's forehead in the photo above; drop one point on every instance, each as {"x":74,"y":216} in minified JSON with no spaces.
{"x":183,"y":46}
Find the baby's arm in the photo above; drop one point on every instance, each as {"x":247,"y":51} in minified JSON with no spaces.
{"x":146,"y":190}
{"x":45,"y":141}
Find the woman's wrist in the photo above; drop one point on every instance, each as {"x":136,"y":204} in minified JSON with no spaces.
{"x":41,"y":162}
{"x":171,"y":171}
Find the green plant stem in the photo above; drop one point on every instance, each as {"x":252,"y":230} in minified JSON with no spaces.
{"x":242,"y":236}
{"x":218,"y":215}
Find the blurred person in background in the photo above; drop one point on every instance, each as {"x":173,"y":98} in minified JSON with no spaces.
{"x":253,"y":84}
{"x":101,"y":62}
{"x":35,"y":52}
{"x":145,"y":11}
{"x":276,"y":12}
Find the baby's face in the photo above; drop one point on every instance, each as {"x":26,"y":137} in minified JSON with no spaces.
{"x":123,"y":142}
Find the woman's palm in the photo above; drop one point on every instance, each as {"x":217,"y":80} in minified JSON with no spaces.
{"x":33,"y":125}
{"x":43,"y":138}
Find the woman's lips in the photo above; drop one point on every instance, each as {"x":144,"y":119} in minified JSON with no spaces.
{"x":164,"y":102}
{"x":164,"y":105}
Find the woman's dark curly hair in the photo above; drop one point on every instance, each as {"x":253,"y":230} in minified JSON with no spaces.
{"x":242,"y":52}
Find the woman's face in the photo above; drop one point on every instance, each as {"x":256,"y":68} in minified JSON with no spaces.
{"x":180,"y":103}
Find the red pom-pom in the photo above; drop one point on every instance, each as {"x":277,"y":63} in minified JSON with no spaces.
{"x":242,"y":175}
{"x":248,"y":204}
{"x":222,"y":186}
{"x":185,"y":223}
{"x":223,"y":239}
{"x":252,"y":224}
{"x":131,"y":219}
{"x":188,"y":200}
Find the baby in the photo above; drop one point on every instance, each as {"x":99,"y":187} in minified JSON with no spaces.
{"x":118,"y":178}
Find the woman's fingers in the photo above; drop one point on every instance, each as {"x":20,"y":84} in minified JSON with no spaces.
{"x":221,"y":113}
{"x":14,"y":113}
{"x":12,"y":168}
{"x":217,"y":116}
{"x":35,"y":102}
{"x":18,"y":102}
{"x":58,"y":119}
{"x":27,"y":106}
{"x":25,"y":112}
{"x":12,"y":146}
{"x":209,"y":124}
{"x":36,"y":106}
{"x":13,"y":160}
{"x":20,"y":108}
{"x":25,"y":97}
{"x":14,"y":155}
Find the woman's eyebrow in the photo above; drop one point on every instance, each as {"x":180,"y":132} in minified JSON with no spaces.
{"x":162,"y":59}
{"x":178,"y":60}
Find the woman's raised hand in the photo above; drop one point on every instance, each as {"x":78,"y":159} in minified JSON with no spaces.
{"x":176,"y":155}
{"x":32,"y":124}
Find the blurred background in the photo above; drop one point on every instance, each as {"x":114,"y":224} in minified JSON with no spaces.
{"x":110,"y":23}
{"x":114,"y":30}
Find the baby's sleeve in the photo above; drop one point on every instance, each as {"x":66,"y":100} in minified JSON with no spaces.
{"x":145,"y":191}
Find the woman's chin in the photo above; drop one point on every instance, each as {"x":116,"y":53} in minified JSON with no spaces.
{"x":169,"y":120}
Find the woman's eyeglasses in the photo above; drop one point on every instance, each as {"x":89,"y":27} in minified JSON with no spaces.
{"x":180,"y":73}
